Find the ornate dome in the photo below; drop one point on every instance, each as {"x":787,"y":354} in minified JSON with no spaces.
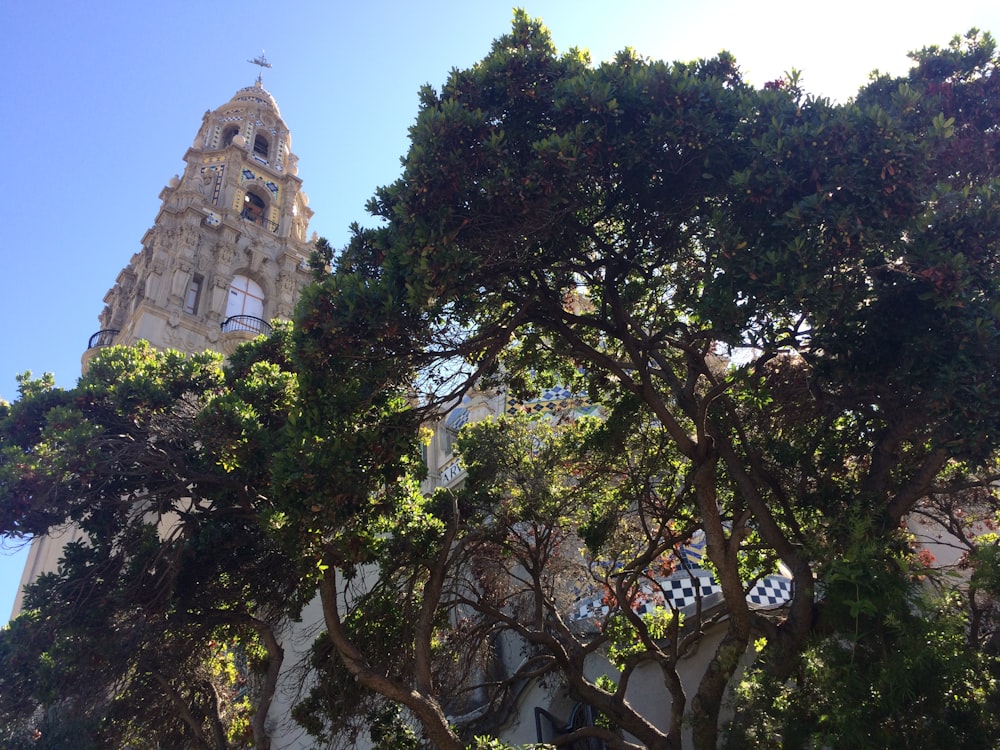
{"x":256,"y":94}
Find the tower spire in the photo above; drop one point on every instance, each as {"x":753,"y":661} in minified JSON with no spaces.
{"x":261,"y":62}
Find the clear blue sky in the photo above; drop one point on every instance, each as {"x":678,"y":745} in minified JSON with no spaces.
{"x":100,"y":102}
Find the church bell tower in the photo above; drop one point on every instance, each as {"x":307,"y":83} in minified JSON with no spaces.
{"x":227,"y":252}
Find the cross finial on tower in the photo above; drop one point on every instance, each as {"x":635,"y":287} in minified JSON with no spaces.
{"x":262,"y":63}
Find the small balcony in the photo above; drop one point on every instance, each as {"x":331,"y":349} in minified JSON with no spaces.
{"x":97,"y":341}
{"x":259,"y":220}
{"x":103,"y":338}
{"x":247,"y":323}
{"x":238,"y":329}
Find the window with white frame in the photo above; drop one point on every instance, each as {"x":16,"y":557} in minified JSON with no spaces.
{"x":245,"y":298}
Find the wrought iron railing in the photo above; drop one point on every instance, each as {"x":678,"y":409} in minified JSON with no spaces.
{"x":269,"y":225}
{"x":247,"y":323}
{"x":103,"y":338}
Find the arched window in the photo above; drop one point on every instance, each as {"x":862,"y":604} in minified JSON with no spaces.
{"x":254,"y":208}
{"x":260,"y":146}
{"x":228,"y":134}
{"x":245,"y":298}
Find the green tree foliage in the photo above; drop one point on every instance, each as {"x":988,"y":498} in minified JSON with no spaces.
{"x":788,"y":312}
{"x":159,"y":625}
{"x":802,"y":295}
{"x":891,"y":666}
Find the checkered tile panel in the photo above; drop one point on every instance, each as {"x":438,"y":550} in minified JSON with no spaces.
{"x":771,"y":591}
{"x":683,"y":592}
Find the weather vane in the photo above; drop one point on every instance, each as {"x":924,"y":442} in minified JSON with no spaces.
{"x":262,"y":63}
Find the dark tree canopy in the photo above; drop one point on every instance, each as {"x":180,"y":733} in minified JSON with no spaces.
{"x":801,"y":295}
{"x":787,"y":311}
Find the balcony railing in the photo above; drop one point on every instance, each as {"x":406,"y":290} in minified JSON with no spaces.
{"x":269,"y":225}
{"x":103,"y":338}
{"x":247,"y":323}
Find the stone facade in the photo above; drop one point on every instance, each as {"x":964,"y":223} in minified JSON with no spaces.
{"x":229,"y":239}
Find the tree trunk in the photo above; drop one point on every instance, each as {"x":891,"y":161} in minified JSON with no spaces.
{"x":424,"y":707}
{"x":184,"y":712}
{"x":275,"y":657}
{"x":707,"y":702}
{"x":724,"y":552}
